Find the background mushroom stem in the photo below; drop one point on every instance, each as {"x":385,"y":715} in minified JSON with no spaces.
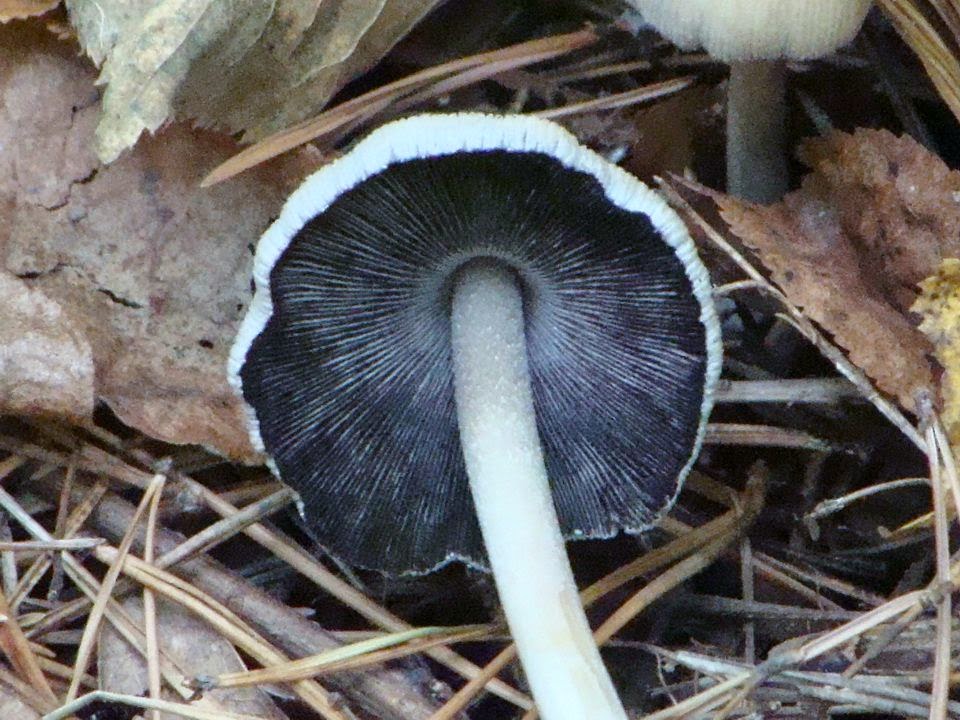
{"x":508,"y":479}
{"x":756,"y":144}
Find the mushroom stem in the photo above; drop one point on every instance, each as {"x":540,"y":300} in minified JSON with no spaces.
{"x":756,"y":147}
{"x":508,"y":479}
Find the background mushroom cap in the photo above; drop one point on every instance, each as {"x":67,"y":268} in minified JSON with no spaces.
{"x":344,"y":357}
{"x":736,"y":30}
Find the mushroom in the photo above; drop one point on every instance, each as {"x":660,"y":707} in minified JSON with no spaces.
{"x":477,"y":306}
{"x":755,"y":37}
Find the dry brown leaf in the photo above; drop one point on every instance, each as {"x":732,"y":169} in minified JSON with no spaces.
{"x":153,"y":270}
{"x":19,"y":9}
{"x":46,"y":365}
{"x":244,"y":66}
{"x":875,"y":217}
{"x":193,"y":647}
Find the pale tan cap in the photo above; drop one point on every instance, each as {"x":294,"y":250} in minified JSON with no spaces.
{"x":737,"y":30}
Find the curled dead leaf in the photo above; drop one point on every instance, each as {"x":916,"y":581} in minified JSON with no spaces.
{"x":247,"y":66}
{"x":152,"y":271}
{"x":876,"y":216}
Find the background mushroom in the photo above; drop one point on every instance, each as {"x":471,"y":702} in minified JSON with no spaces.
{"x":755,"y":37}
{"x":477,"y":304}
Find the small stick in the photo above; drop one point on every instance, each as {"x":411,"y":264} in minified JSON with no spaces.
{"x":359,"y":654}
{"x":571,"y":74}
{"x":826,"y":391}
{"x":941,"y":666}
{"x":16,"y":647}
{"x":833,"y":505}
{"x":60,"y":531}
{"x":68,"y":544}
{"x":150,"y":606}
{"x":8,"y":561}
{"x":619,"y":100}
{"x":746,"y":579}
{"x":165,"y":706}
{"x":749,"y":435}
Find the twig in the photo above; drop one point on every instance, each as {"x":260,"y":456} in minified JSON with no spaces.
{"x":15,"y":646}
{"x":60,"y":531}
{"x":750,"y":435}
{"x":8,"y":561}
{"x":765,"y":565}
{"x":619,"y":100}
{"x":69,"y":544}
{"x":819,"y":579}
{"x":572,"y":74}
{"x":833,"y":505}
{"x":747,"y":587}
{"x":941,"y":665}
{"x":826,"y":391}
{"x":949,"y":463}
{"x":359,"y":654}
{"x":758,"y":611}
{"x":150,"y":607}
{"x":164,"y":706}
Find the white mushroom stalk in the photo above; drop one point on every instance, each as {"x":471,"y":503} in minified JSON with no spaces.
{"x":508,"y":479}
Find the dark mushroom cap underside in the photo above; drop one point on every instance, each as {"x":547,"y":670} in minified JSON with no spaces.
{"x":351,"y":377}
